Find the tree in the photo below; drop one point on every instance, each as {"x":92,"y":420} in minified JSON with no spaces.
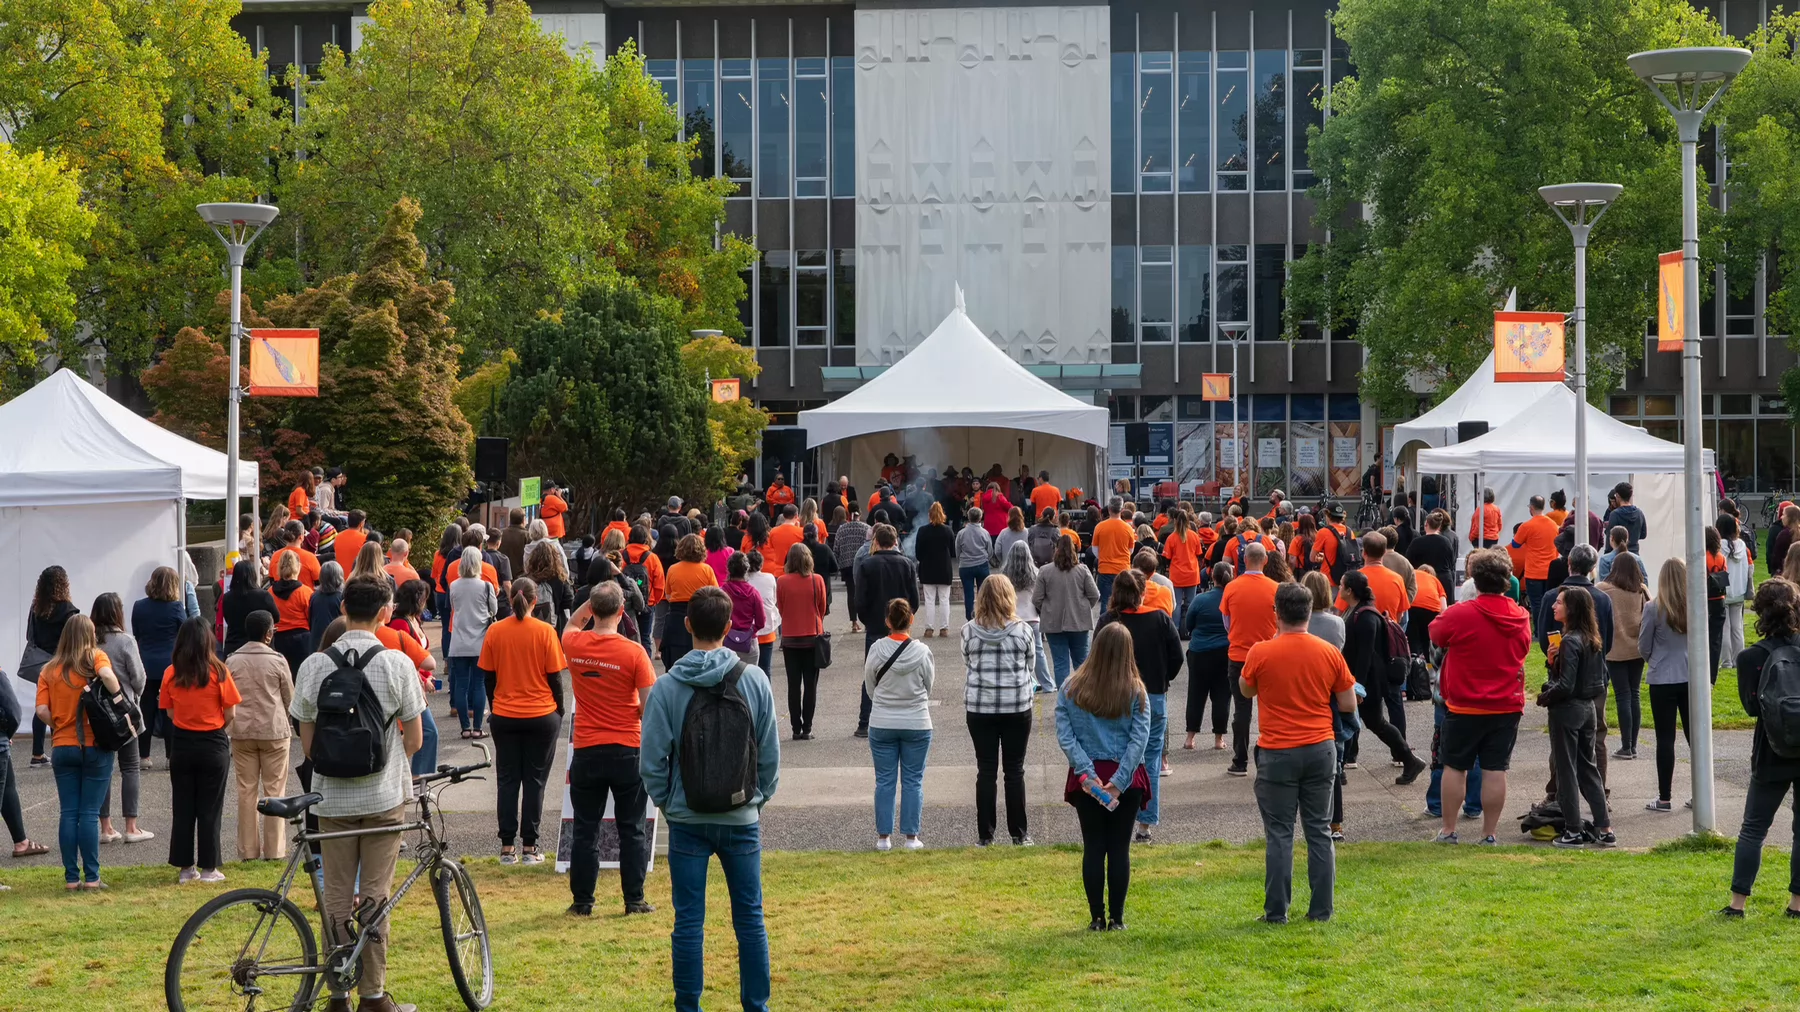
{"x":601,"y":400}
{"x":42,"y":227}
{"x":1456,"y":115}
{"x":736,"y":425}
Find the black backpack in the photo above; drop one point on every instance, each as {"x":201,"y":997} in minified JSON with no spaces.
{"x":112,"y":716}
{"x":350,"y":733}
{"x":639,"y":573}
{"x":1349,"y":554}
{"x":1778,"y":699}
{"x":718,"y":751}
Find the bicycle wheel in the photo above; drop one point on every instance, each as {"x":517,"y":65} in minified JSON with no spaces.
{"x":244,"y":950}
{"x":465,"y":934}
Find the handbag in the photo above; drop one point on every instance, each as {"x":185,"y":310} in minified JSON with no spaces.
{"x":822,"y":651}
{"x":740,"y":640}
{"x":114,"y":716}
{"x":32,"y":662}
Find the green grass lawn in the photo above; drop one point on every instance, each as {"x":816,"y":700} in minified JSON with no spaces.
{"x":1417,"y":927}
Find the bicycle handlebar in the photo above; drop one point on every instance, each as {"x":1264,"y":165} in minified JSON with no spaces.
{"x":455,"y":774}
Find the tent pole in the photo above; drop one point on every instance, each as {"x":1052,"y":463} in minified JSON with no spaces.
{"x":181,"y":537}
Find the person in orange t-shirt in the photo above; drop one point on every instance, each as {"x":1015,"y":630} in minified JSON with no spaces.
{"x":300,"y":500}
{"x":782,"y":536}
{"x":1186,"y":552}
{"x":1156,"y":594}
{"x":1535,"y":543}
{"x":1484,"y":523}
{"x":1044,"y":496}
{"x":1389,"y":587}
{"x":293,"y":612}
{"x":1113,"y":540}
{"x":60,"y":684}
{"x":397,"y":567}
{"x":351,"y":539}
{"x":522,"y":662}
{"x":199,"y":698}
{"x":1248,"y":607}
{"x":1428,"y":603}
{"x":551,"y":511}
{"x":616,"y":522}
{"x":780,"y":494}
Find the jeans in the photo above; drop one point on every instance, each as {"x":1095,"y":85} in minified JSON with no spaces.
{"x":1572,"y":757}
{"x":130,"y":766}
{"x":1104,"y":581}
{"x":739,"y":848}
{"x":1106,"y":851}
{"x":1434,"y":794}
{"x":594,"y":772}
{"x":899,"y":756}
{"x":765,"y":656}
{"x":82,"y":776}
{"x":1207,"y":682}
{"x":971,"y":582}
{"x":1068,"y":651}
{"x":199,"y":766}
{"x":1534,"y":593}
{"x":1761,"y":804}
{"x":1044,"y":682}
{"x":936,"y":605}
{"x":1153,"y":755}
{"x":1182,"y":596}
{"x":468,"y":692}
{"x":1626,"y":675}
{"x":1667,"y":702}
{"x":802,"y":665}
{"x":523,"y":750}
{"x":1292,"y":781}
{"x":646,"y":624}
{"x":425,"y":759}
{"x":997,"y":734}
{"x":442,"y":604}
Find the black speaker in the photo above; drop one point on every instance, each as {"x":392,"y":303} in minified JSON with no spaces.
{"x":490,"y":458}
{"x":784,"y":445}
{"x":1466,"y":431}
{"x":1137,"y":439}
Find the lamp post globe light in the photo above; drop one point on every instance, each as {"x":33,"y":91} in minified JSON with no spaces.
{"x":237,"y":226}
{"x":1580,"y":206}
{"x":1689,"y":82}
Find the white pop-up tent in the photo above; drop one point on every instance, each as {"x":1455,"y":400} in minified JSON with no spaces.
{"x":959,"y":399}
{"x":1534,"y":453}
{"x":88,"y":485}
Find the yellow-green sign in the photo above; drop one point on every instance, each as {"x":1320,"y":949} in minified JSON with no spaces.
{"x":530,"y":491}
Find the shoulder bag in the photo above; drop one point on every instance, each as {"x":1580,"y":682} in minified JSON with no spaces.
{"x":32,"y":661}
{"x":882,"y":672}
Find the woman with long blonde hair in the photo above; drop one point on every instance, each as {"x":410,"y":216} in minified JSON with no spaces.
{"x":1662,"y":639}
{"x":1103,"y":726}
{"x":1000,"y":657}
{"x":370,"y":564}
{"x":83,"y":771}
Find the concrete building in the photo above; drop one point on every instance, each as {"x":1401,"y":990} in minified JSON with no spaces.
{"x":1118,"y":188}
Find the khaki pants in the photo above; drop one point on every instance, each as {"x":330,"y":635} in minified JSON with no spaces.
{"x":262,"y":772}
{"x":375,"y":856}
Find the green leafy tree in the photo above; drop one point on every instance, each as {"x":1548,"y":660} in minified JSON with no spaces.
{"x":478,"y":394}
{"x":736,"y":425}
{"x":42,"y":229}
{"x":601,"y":400}
{"x":1457,"y":114}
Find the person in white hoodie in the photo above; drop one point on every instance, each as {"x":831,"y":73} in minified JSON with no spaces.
{"x":1739,"y":584}
{"x":766,"y":636}
{"x":898,"y":674}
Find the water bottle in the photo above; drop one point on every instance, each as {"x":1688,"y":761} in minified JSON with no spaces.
{"x":1101,"y":794}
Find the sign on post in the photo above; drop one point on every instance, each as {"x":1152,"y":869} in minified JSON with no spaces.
{"x":284,"y":363}
{"x":1670,"y":296}
{"x":530,"y":492}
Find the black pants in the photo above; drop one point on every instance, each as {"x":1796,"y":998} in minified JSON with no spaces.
{"x":1626,"y":676}
{"x":1418,"y":630}
{"x":295,"y":645}
{"x":199,"y":765}
{"x":1394,"y":694}
{"x":870,"y":635}
{"x":1241,"y":706}
{"x":153,"y":715}
{"x":1667,"y":702}
{"x":676,"y":641}
{"x":1106,"y":851}
{"x":1715,"y":635}
{"x":593,"y":772}
{"x":849,"y":590}
{"x":1761,"y":805}
{"x":1208,"y":680}
{"x":524,"y":747}
{"x":1572,"y":742}
{"x":802,"y":684}
{"x":998,"y":735}
{"x":39,"y":731}
{"x":1369,"y":708}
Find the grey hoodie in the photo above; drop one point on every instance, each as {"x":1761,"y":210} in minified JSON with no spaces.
{"x":663,"y":716}
{"x":902,"y":702}
{"x":974,"y":547}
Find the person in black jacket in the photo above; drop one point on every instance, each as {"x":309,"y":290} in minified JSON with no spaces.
{"x":1366,"y":651}
{"x":1156,"y":646}
{"x":1577,"y":677}
{"x":884,"y":575}
{"x":245,"y":595}
{"x":824,"y":562}
{"x":51,"y":609}
{"x":935,"y":548}
{"x":1777,"y":608}
{"x":1435,"y":549}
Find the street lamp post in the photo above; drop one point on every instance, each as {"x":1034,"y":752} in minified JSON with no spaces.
{"x":237,"y":226}
{"x":1573,"y":203}
{"x":1234,"y":332}
{"x":1689,"y":83}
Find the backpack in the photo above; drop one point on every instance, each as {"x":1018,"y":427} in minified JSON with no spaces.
{"x":1042,"y":542}
{"x":1396,"y":652}
{"x":638,"y":573}
{"x":1778,"y":700}
{"x":719,"y":751}
{"x":1419,"y":678}
{"x":350,"y":733}
{"x":1349,"y":554}
{"x":113,"y":716}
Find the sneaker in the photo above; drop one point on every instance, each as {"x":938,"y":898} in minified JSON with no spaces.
{"x":1487,"y":841}
{"x":188,"y":876}
{"x":212,"y":876}
{"x":1116,"y":926}
{"x":1624,"y":753}
{"x":638,"y":907}
{"x":912,"y":843}
{"x":862,"y":731}
{"x":1659,"y":806}
{"x":1732,"y":914}
{"x":39,"y":762}
{"x":146,"y":765}
{"x":1141,"y":836}
{"x":1604,"y":840}
{"x":580,"y":910}
{"x":532,"y":856}
{"x":140,"y":836}
{"x":1570,"y":841}
{"x":1791,"y":912}
{"x":1319,"y":918}
{"x":1238,"y":769}
{"x":1097,"y":924}
{"x":1166,"y":770}
{"x":1024,"y":840}
{"x":1436,"y":813}
{"x":508,"y":857}
{"x":1395,"y":763}
{"x":1337,"y":835}
{"x":1443,"y":837}
{"x":883,"y":844}
{"x":1349,"y":766}
{"x":1266,"y":919}
{"x":1410,"y":772}
{"x":988,"y":842}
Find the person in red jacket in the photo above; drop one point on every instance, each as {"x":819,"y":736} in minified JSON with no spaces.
{"x":1485,"y":642}
{"x":994,"y":507}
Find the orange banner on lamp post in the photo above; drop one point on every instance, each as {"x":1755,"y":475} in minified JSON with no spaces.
{"x":1671,"y":298}
{"x":724,"y":391}
{"x":1528,"y":347}
{"x":1215,"y":386}
{"x":284,"y":363}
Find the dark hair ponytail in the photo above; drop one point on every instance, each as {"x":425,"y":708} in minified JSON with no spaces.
{"x":523,"y":597}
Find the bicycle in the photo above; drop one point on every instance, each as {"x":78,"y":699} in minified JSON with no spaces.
{"x":277,"y":964}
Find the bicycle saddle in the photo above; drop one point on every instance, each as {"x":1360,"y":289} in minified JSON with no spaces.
{"x":288,"y":808}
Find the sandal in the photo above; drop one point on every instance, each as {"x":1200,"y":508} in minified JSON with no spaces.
{"x":26,"y":848}
{"x":480,"y":734}
{"x":467,"y":734}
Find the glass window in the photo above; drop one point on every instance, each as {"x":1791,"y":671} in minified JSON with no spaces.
{"x":1271,"y":277}
{"x":1193,"y":113}
{"x":1122,"y":407}
{"x":1268,"y":408}
{"x":843,"y":126}
{"x":1307,"y":407}
{"x":1623,"y":407}
{"x":772,"y":144}
{"x":663,"y":73}
{"x":1233,"y":293}
{"x":746,"y":313}
{"x":737,"y":125}
{"x":1188,"y":408}
{"x":1193,"y":293}
{"x":1233,"y":122}
{"x":810,"y":127}
{"x":1124,"y":124}
{"x":698,"y":93}
{"x":1156,"y":295}
{"x":1309,"y":102}
{"x":775,"y":329}
{"x":1659,"y":405}
{"x":1345,"y":408}
{"x":1271,"y":119}
{"x":1735,"y":404}
{"x":1775,"y":453}
{"x":843,"y":282}
{"x":812,"y":282}
{"x":1156,"y":125}
{"x":1736,"y":448}
{"x":1124,"y":294}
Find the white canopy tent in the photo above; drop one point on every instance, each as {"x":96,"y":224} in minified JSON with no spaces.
{"x":959,"y":399}
{"x":1534,"y":453}
{"x":88,"y":485}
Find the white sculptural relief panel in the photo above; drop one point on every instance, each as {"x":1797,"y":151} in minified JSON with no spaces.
{"x":979,"y":142}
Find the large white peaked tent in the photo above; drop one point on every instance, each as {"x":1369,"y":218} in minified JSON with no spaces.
{"x":1479,"y":399}
{"x":959,"y":399}
{"x":88,"y":485}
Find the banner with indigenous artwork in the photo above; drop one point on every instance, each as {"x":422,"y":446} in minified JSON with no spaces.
{"x":1346,"y":452}
{"x":283,"y":363}
{"x":1306,"y":467}
{"x":1528,"y":347}
{"x":1671,"y":299}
